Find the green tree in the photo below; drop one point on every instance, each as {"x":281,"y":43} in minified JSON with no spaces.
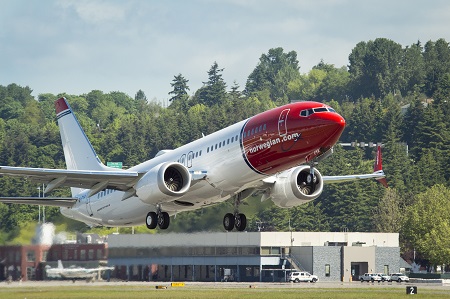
{"x":412,"y":69}
{"x":427,"y":224}
{"x":375,"y":68}
{"x":213,"y":91}
{"x":180,"y":88}
{"x":389,"y":213}
{"x":140,"y":96}
{"x":273,"y":73}
{"x":437,"y":63}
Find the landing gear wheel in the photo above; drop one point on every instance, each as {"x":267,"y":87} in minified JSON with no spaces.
{"x":151,"y":220}
{"x":228,"y":221}
{"x":163,"y":220}
{"x":241,"y":222}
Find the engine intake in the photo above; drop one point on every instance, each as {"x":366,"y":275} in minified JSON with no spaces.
{"x":293,"y":187}
{"x":163,"y":182}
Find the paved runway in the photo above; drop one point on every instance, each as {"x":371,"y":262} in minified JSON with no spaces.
{"x":220,"y":285}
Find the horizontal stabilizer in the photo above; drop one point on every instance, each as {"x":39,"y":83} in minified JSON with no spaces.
{"x":65,"y":202}
{"x":354,"y":177}
{"x":378,"y":173}
{"x":86,"y":179}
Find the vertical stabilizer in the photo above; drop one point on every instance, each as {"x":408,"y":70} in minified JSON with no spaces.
{"x":378,"y":166}
{"x":78,"y":151}
{"x":60,"y":265}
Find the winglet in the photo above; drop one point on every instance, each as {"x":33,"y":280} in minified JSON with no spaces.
{"x":378,"y":167}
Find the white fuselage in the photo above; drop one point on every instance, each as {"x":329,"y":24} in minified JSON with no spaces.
{"x":224,"y":165}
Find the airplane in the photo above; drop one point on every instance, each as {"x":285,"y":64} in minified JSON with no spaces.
{"x":74,"y":272}
{"x":272,"y":154}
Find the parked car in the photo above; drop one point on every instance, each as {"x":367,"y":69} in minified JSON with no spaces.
{"x":384,"y":277}
{"x":302,"y":276}
{"x":370,"y":277}
{"x":399,"y":277}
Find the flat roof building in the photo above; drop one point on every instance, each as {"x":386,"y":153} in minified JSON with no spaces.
{"x":252,"y":256}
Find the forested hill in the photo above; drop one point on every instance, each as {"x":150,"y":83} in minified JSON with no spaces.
{"x":389,"y":93}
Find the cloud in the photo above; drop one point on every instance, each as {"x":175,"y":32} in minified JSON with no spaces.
{"x":95,"y":11}
{"x":75,"y":46}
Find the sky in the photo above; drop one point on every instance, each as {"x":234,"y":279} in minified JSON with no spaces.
{"x":76,"y":46}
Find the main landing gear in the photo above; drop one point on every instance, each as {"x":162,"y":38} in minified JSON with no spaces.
{"x":237,"y":220}
{"x":160,"y":219}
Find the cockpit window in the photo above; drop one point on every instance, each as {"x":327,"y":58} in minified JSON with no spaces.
{"x":320,"y":109}
{"x":308,"y":112}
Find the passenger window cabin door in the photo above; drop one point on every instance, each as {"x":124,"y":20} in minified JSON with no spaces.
{"x":282,"y":122}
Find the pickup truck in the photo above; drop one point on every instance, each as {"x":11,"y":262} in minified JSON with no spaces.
{"x":302,"y":276}
{"x":370,"y":277}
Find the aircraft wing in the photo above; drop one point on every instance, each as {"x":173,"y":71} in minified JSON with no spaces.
{"x":86,"y":179}
{"x":95,"y":270}
{"x":65,"y":202}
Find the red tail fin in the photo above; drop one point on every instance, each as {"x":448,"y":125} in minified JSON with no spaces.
{"x":379,"y":166}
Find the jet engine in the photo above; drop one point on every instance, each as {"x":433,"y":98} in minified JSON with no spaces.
{"x":163,"y":182}
{"x":295,"y":187}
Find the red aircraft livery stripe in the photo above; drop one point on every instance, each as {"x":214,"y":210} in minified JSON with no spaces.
{"x":281,"y":138}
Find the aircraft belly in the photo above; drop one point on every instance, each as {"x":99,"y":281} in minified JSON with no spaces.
{"x":116,"y":212}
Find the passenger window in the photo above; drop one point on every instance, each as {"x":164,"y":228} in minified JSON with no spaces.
{"x":253,"y":131}
{"x":200,"y":153}
{"x":223,"y":143}
{"x":260,"y":128}
{"x":232,"y":139}
{"x":215,"y":146}
{"x":228,"y":141}
{"x":264,"y":127}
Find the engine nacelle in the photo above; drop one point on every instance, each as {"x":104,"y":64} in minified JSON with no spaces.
{"x":163,"y":182}
{"x":292,"y":188}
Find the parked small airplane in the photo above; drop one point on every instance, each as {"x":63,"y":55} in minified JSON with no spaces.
{"x":273,"y":154}
{"x":75,"y":272}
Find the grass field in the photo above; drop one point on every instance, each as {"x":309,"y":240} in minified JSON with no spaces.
{"x":142,"y":291}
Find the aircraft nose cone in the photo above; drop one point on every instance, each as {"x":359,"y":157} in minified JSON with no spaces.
{"x":334,"y":119}
{"x":335,"y":125}
{"x":339,"y":120}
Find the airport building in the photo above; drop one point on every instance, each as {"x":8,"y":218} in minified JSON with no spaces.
{"x":28,"y":262}
{"x":252,"y":256}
